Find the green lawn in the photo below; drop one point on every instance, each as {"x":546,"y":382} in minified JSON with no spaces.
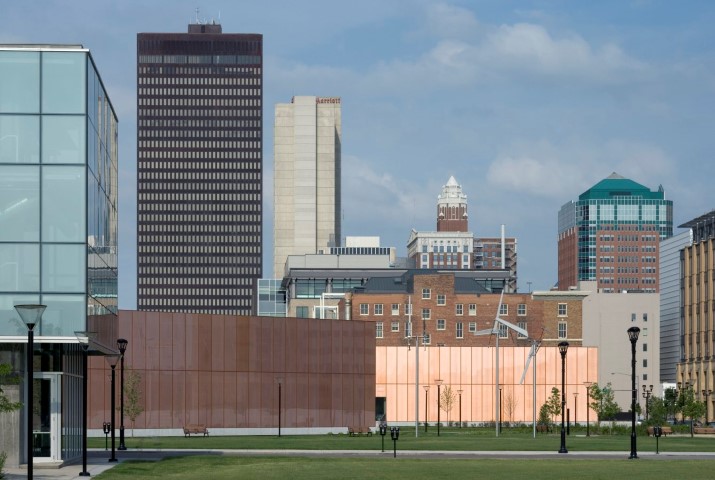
{"x":266,"y":468}
{"x":451,"y":439}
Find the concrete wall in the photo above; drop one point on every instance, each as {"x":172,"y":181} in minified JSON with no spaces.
{"x":10,"y":428}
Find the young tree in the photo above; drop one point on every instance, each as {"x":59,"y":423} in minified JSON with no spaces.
{"x":5,"y":378}
{"x":133,"y":405}
{"x":670,"y":399}
{"x":545,"y":416}
{"x":447,"y":400}
{"x":657,"y":411}
{"x":510,"y":404}
{"x":604,"y":403}
{"x":554,"y":403}
{"x":690,"y":406}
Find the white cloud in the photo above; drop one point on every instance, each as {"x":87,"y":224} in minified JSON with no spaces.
{"x":450,"y":21}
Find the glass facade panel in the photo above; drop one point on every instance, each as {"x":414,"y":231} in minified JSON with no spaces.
{"x":19,"y":139}
{"x":63,"y":268}
{"x":19,"y":203}
{"x":65,"y":315}
{"x":63,"y":204}
{"x":10,"y":323}
{"x":19,"y":267}
{"x":19,"y":82}
{"x":63,"y":139}
{"x":63,"y":82}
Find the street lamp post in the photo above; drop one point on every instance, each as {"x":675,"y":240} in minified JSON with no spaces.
{"x":706,"y":394}
{"x":575,"y":410}
{"x":279,"y":380}
{"x":500,"y":409}
{"x":122,"y":346}
{"x":647,"y":392}
{"x":112,"y":360}
{"x":633,"y":337}
{"x":426,"y":387}
{"x":588,"y":407}
{"x":31,"y":315}
{"x":460,"y":407}
{"x":84,"y":339}
{"x":439,"y":405}
{"x":563,"y":347}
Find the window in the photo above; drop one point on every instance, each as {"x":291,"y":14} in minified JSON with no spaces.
{"x":645,"y":363}
{"x":441,"y":324}
{"x":521,"y":325}
{"x":645,"y":376}
{"x":426,"y":294}
{"x":441,"y":300}
{"x":395,"y":326}
{"x":364,"y":309}
{"x":425,"y":313}
{"x":645,"y":347}
{"x":378,"y":329}
{"x":459,"y":309}
{"x":301,"y":312}
{"x":427,"y":339}
{"x":472,"y":309}
{"x":562,"y":310}
{"x":645,"y":317}
{"x":503,"y":331}
{"x":408,"y":309}
{"x":460,"y":330}
{"x":633,"y":317}
{"x":504,"y":309}
{"x":472,"y":327}
{"x":395,"y":308}
{"x":562,"y":330}
{"x":378,"y":309}
{"x":521,"y":309}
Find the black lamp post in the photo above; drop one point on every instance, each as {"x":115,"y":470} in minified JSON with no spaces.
{"x":575,"y":409}
{"x":500,"y":409}
{"x":439,"y":405}
{"x":279,"y":380}
{"x":633,"y":337}
{"x":31,"y":316}
{"x":647,"y":392}
{"x":563,"y":347}
{"x":84,"y":339}
{"x":460,"y":407}
{"x":706,"y":394}
{"x":426,"y":387}
{"x":112,"y":360}
{"x":122,"y":346}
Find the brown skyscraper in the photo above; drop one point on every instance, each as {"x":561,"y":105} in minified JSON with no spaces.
{"x":199,"y":170}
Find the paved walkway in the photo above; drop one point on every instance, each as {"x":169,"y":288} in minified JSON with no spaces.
{"x":97,"y":460}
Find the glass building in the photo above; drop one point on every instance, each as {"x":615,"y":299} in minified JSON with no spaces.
{"x":58,"y":231}
{"x":612,"y":235}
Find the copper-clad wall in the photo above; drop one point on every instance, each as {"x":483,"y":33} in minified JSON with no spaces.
{"x":222,"y":371}
{"x":472,"y":370}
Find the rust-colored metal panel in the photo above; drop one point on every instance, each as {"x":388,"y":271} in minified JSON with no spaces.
{"x":152,"y":337}
{"x":205,"y":334}
{"x":178,"y":342}
{"x":243,"y":344}
{"x":165,"y":398}
{"x":191,"y":342}
{"x":215,"y":410}
{"x":166,"y":341}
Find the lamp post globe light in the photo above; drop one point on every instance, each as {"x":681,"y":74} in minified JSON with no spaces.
{"x":647,"y":392}
{"x":439,"y":405}
{"x":426,"y":387}
{"x":84,"y":340}
{"x":122,"y":346}
{"x":563,"y":347}
{"x":633,"y":337}
{"x":31,"y":315}
{"x":112,"y":360}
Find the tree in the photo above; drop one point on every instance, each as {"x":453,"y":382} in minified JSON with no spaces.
{"x":554,"y":403}
{"x":603,"y":403}
{"x":6,"y":378}
{"x":545,"y":416}
{"x":690,"y":406}
{"x":133,"y":406}
{"x":657,"y":411}
{"x":510,"y":404}
{"x":447,"y":400}
{"x":670,"y":399}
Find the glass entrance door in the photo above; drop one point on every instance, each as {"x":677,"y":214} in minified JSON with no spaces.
{"x":46,"y":417}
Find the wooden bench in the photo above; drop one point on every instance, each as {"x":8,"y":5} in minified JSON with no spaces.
{"x":357,"y":431}
{"x":195,"y":429}
{"x":665,"y":431}
{"x":704,"y":430}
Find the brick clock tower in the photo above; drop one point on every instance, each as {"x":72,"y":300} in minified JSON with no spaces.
{"x":452,"y":208}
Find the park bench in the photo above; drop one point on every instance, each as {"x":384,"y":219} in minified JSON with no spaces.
{"x":704,"y":430}
{"x":195,"y":429}
{"x":357,"y":431}
{"x":665,"y":431}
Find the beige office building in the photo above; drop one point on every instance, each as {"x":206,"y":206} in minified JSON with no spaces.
{"x":306,"y":182}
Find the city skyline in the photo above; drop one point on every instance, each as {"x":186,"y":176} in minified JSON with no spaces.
{"x":527,"y":104}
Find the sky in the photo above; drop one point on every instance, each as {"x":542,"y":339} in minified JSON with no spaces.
{"x":526,"y":103}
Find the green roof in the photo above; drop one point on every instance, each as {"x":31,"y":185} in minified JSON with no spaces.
{"x":617,"y":186}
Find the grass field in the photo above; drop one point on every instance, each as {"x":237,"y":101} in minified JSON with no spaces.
{"x":267,"y":468}
{"x":451,"y":439}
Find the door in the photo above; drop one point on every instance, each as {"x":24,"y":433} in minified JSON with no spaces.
{"x":46,"y":417}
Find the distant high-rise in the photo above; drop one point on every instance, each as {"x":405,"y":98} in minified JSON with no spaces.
{"x":307,"y":143}
{"x":199,"y":170}
{"x":611,"y":234}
